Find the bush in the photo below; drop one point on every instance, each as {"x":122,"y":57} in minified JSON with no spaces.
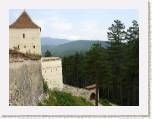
{"x":45,"y":87}
{"x":104,"y":102}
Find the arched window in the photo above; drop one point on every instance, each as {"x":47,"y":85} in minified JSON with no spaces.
{"x":33,"y":46}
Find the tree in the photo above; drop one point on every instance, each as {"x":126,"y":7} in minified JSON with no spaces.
{"x":114,"y":69}
{"x":94,"y":66}
{"x":48,"y":53}
{"x":116,"y":32}
{"x":116,"y":36}
{"x":124,"y":62}
{"x":73,"y":70}
{"x":133,"y":32}
{"x":131,"y":66}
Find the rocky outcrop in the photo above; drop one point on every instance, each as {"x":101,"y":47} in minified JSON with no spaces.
{"x":25,"y":82}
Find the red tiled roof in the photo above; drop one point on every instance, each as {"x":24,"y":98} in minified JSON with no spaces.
{"x":24,"y":21}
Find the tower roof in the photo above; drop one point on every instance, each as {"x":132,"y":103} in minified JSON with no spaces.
{"x":24,"y":21}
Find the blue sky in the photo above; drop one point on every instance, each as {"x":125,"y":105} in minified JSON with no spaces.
{"x":76,"y":24}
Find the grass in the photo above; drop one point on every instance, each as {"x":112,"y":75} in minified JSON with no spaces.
{"x":45,"y":87}
{"x":104,"y":102}
{"x":59,"y":98}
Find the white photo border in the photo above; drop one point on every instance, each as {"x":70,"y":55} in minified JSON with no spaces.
{"x":140,"y":5}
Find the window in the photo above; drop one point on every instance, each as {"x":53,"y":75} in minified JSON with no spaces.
{"x":33,"y":46}
{"x":23,"y":35}
{"x":18,"y":46}
{"x":24,"y":46}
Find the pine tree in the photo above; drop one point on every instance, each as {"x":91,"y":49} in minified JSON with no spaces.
{"x":131,"y":66}
{"x":48,"y":53}
{"x":115,"y":69}
{"x":116,"y":36}
{"x":116,"y":32}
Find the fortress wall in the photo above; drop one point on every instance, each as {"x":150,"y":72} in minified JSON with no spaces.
{"x":29,"y":44}
{"x":77,"y":91}
{"x":25,"y":82}
{"x":52,"y":72}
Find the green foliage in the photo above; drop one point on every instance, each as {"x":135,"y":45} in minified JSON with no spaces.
{"x":116,"y":32}
{"x":104,"y":102}
{"x":73,"y":71}
{"x":48,"y":53}
{"x":45,"y":87}
{"x":58,"y":98}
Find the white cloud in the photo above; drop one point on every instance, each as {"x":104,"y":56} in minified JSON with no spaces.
{"x":61,"y":26}
{"x":55,"y":24}
{"x":93,"y":30}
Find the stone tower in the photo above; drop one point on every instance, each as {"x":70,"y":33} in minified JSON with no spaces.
{"x":24,"y":35}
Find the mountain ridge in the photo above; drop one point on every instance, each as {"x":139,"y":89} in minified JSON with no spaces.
{"x":53,"y":41}
{"x":70,"y":47}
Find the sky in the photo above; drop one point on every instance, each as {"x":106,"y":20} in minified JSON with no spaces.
{"x":76,"y":24}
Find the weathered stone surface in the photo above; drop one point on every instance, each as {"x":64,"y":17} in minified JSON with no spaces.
{"x":78,"y":91}
{"x":52,"y":72}
{"x":25,"y":82}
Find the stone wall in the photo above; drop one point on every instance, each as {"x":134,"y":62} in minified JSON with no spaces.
{"x":29,"y":43}
{"x":25,"y":82}
{"x":77,"y":91}
{"x":52,"y":72}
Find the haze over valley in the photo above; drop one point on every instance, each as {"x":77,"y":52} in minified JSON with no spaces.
{"x":64,"y":47}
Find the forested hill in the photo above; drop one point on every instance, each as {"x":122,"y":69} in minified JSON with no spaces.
{"x":114,"y":70}
{"x":72,"y":47}
{"x":53,"y":41}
